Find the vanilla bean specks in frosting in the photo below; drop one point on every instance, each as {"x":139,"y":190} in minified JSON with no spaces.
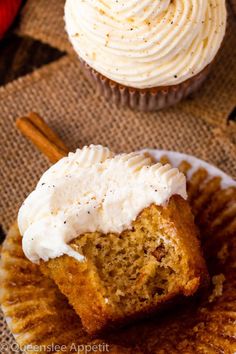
{"x":146,"y":43}
{"x":92,"y":190}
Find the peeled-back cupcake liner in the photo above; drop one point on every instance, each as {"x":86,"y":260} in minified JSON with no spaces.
{"x":144,"y":99}
{"x":41,"y":319}
{"x":176,"y":158}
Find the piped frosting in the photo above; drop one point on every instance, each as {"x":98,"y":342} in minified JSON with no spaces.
{"x":92,"y":190}
{"x":146,"y":43}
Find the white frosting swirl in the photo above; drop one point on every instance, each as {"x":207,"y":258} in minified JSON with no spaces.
{"x":92,"y":190}
{"x":146,"y":43}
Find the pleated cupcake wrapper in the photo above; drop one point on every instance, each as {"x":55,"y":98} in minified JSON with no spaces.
{"x":144,"y":100}
{"x":39,"y":315}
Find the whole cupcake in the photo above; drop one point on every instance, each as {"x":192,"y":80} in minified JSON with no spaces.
{"x":143,"y":53}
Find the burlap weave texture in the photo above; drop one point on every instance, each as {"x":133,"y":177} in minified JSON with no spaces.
{"x":44,"y":20}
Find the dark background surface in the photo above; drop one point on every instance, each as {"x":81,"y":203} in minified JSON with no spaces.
{"x":22,"y":55}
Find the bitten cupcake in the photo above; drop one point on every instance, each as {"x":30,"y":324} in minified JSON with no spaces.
{"x":115,"y":233}
{"x":143,"y":53}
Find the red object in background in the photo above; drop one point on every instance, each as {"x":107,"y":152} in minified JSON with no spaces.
{"x":8,"y":11}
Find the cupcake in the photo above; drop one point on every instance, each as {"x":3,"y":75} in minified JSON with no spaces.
{"x":115,"y":233}
{"x":146,"y":54}
{"x":39,"y":315}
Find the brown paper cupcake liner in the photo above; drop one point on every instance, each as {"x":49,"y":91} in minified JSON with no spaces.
{"x":144,"y":99}
{"x":42,"y":321}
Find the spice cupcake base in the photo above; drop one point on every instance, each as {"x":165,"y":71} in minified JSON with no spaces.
{"x":145,"y":100}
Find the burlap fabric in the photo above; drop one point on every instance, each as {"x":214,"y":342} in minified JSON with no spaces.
{"x":44,"y":20}
{"x":6,"y":338}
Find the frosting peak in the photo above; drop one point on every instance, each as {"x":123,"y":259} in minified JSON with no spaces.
{"x":92,"y":190}
{"x":146,"y":43}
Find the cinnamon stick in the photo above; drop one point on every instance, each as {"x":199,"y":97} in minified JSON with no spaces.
{"x":46,"y":130}
{"x":37,"y":131}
